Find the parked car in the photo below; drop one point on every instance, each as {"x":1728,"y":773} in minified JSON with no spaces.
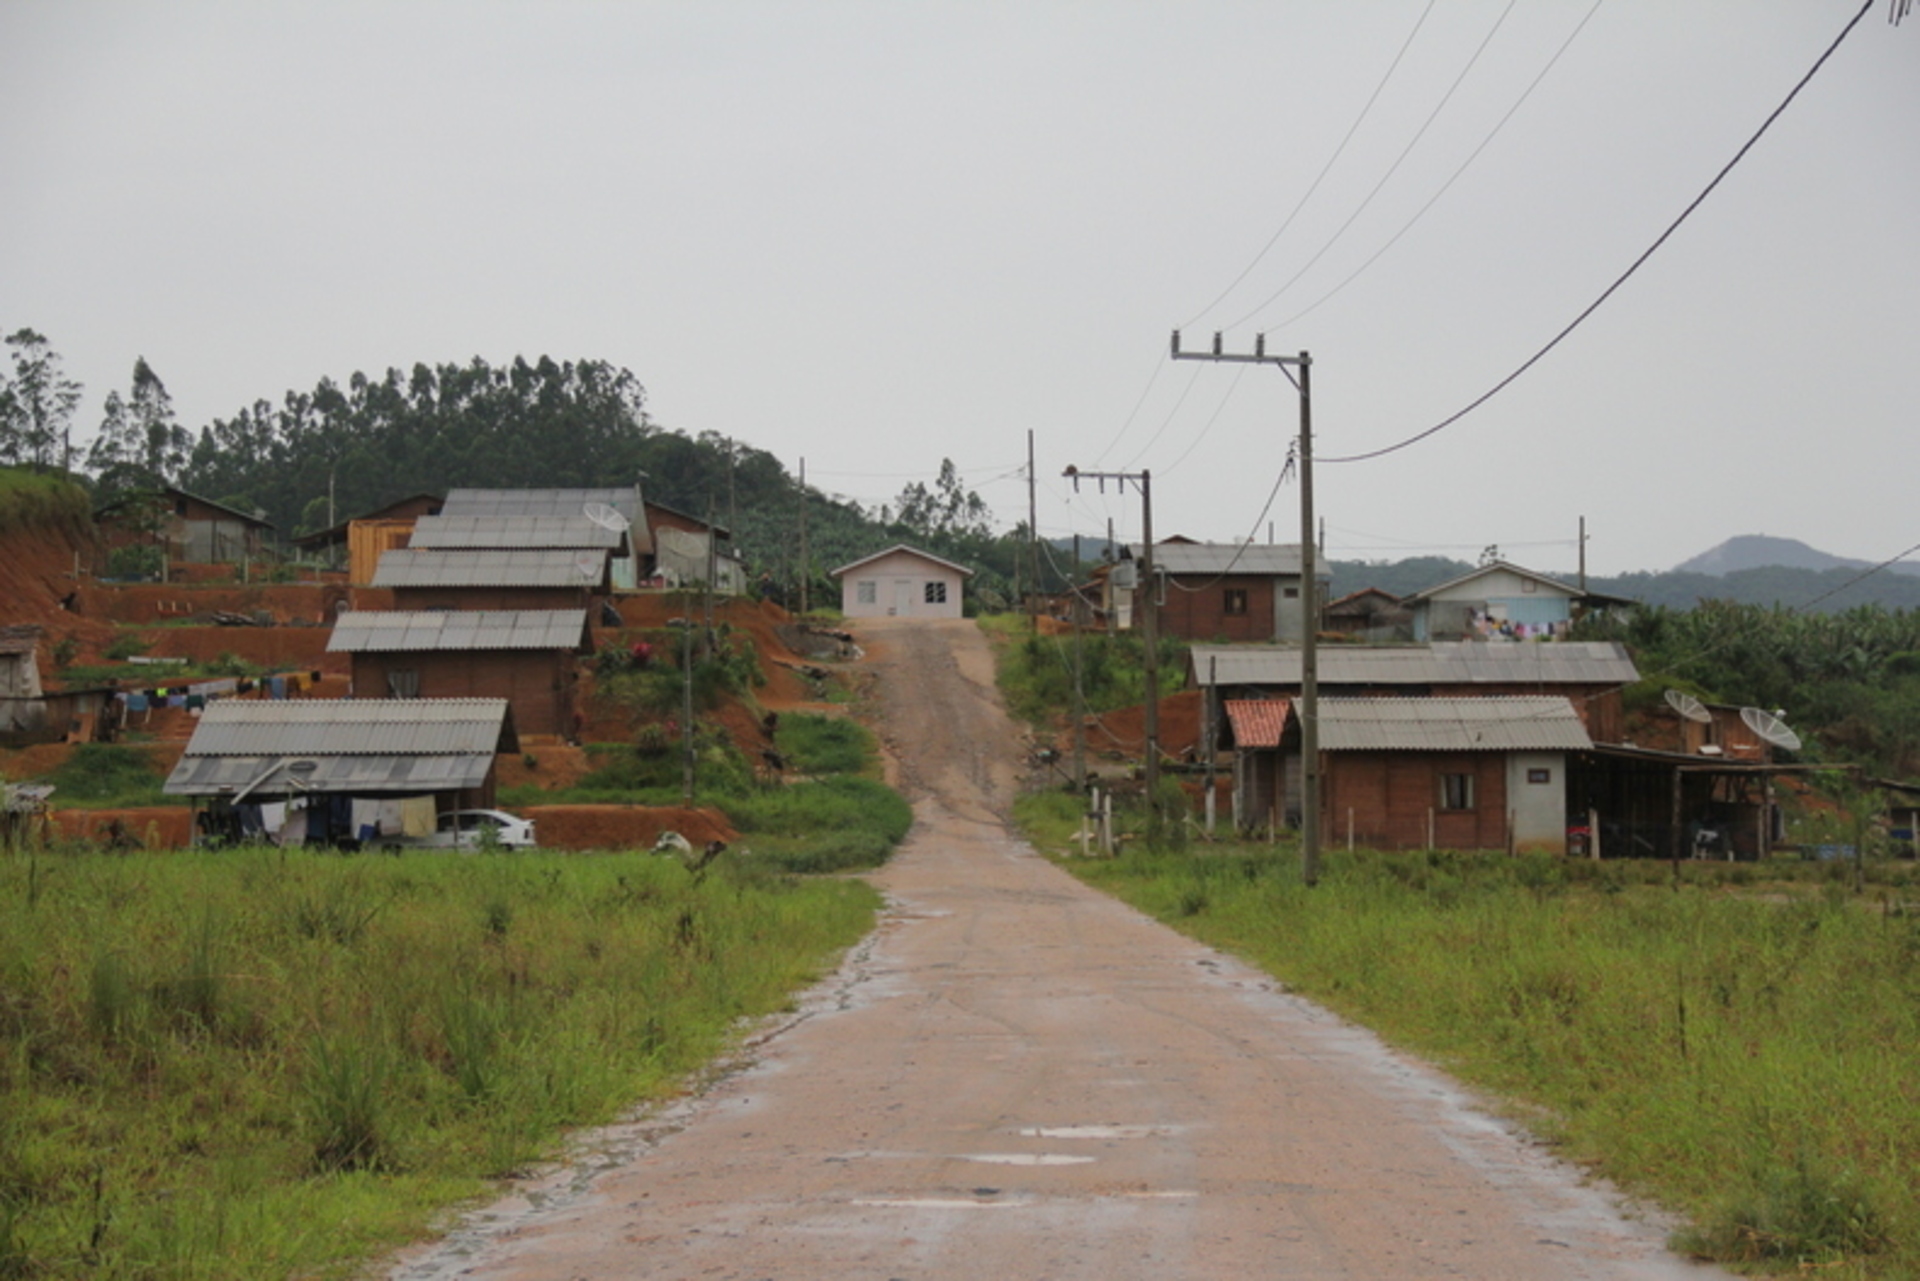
{"x":469,"y":830}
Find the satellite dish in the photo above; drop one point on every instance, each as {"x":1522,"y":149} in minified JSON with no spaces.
{"x":1771,"y":728}
{"x":606,"y":517}
{"x":589,"y":564}
{"x":1689,"y":707}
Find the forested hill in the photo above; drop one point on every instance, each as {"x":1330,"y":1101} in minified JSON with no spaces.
{"x":1827,"y":591}
{"x":547,"y":423}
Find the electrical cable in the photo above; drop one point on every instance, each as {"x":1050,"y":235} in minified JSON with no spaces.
{"x":1626,"y":275}
{"x":1448,"y":184}
{"x":1324,"y":170}
{"x":1388,"y":175}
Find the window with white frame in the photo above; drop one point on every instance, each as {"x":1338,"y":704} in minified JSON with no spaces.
{"x":936,"y":593}
{"x":866,"y":591}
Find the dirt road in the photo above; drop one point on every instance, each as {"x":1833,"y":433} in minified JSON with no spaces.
{"x":1017,"y":1077}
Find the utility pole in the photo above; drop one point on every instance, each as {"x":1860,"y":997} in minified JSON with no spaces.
{"x":803,"y":536}
{"x":1148,"y":621}
{"x":1033,"y":540}
{"x":1079,"y":684}
{"x":1309,"y":589}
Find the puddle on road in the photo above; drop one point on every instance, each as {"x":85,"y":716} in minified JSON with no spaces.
{"x":1097,"y":1131}
{"x":1026,"y":1158}
{"x":935,"y":1203}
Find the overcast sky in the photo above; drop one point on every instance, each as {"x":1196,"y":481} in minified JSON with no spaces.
{"x":874,"y":235}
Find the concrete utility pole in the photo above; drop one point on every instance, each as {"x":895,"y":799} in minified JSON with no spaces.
{"x":1309,"y":590}
{"x":1033,"y":539}
{"x":803,"y":536}
{"x":1149,"y":621}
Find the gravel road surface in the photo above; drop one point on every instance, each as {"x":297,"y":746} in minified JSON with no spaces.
{"x":1017,"y":1077}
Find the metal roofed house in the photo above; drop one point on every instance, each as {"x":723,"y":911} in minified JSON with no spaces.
{"x":191,"y":529}
{"x":1419,"y":773}
{"x":1501,"y":601}
{"x":546,"y":578}
{"x":1215,"y":591}
{"x":524,"y":656}
{"x":359,"y":540}
{"x":626,"y":500}
{"x":324,"y":755}
{"x":21,"y":704}
{"x":462,"y":533}
{"x":1591,"y":673}
{"x":901,"y":582}
{"x":1370,"y":615}
{"x":687,"y":549}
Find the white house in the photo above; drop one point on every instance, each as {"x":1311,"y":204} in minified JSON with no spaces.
{"x":901,"y":582}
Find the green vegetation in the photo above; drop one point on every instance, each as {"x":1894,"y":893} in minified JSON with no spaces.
{"x":825,"y":744}
{"x":110,"y":776}
{"x":1738,"y":1045}
{"x":1036,"y":671}
{"x":36,"y":499}
{"x":1851,"y":681}
{"x":259,"y":1064}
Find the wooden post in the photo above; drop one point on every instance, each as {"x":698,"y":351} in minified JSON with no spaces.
{"x":1593,"y":834}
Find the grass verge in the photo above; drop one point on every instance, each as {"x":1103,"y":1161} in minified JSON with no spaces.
{"x":1742,"y":1053}
{"x":259,"y":1063}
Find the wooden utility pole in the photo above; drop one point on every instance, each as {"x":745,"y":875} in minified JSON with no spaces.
{"x":1309,"y":589}
{"x":1148,"y":617}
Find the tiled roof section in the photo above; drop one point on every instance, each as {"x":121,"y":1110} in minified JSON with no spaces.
{"x":546,"y":567}
{"x":343,"y":745}
{"x":440,"y":630}
{"x":1257,"y":722}
{"x":1442,"y":663}
{"x":444,"y":532}
{"x":1533,"y":723}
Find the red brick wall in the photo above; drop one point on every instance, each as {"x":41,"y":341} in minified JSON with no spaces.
{"x":1390,"y":794}
{"x":539,"y":686}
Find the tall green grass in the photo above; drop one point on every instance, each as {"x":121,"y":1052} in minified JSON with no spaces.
{"x":264,"y":1064}
{"x":1746,"y":1058}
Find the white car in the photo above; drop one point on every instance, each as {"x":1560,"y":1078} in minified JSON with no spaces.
{"x":468,"y":830}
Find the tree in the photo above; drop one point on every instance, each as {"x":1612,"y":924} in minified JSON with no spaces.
{"x":140,"y":445}
{"x":37,"y":404}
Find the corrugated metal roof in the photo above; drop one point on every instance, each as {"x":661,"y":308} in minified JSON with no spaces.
{"x":624,"y":499}
{"x":1262,"y":559}
{"x":1442,"y":663}
{"x":1257,"y":722}
{"x":334,"y":727}
{"x":546,"y":567}
{"x":368,"y":745}
{"x":1533,"y":723}
{"x":270,"y":775}
{"x":1494,"y":567}
{"x":443,"y":532}
{"x":404,"y":631}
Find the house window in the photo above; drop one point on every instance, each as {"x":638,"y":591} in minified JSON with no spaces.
{"x":1456,"y":791}
{"x":866,"y":592}
{"x":1236,"y":602}
{"x":936,"y":592}
{"x":1291,"y":593}
{"x":1539,"y":776}
{"x":403,"y":684}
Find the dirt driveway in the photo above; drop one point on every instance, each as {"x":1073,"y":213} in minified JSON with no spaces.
{"x":1017,"y":1077}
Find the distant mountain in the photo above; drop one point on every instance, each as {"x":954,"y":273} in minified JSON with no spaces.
{"x":1759,"y":551}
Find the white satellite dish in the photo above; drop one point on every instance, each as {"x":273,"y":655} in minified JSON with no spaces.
{"x":1689,"y":707}
{"x":1771,"y":728}
{"x":606,"y":517}
{"x":589,"y":564}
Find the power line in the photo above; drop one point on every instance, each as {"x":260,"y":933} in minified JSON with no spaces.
{"x":1448,"y":184}
{"x":1324,"y":171}
{"x":1388,"y":175}
{"x":1626,"y":275}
